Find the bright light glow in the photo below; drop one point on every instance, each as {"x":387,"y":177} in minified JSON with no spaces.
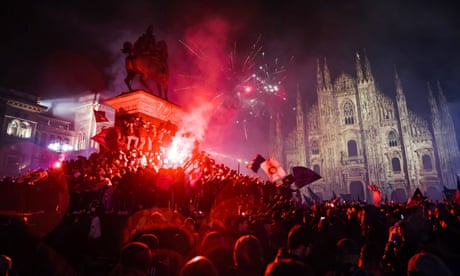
{"x":57,"y":164}
{"x":58,"y":147}
{"x":180,"y":150}
{"x":247,"y":89}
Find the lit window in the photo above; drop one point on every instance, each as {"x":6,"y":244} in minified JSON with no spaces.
{"x":19,"y":129}
{"x":26,"y":130}
{"x":13,"y":128}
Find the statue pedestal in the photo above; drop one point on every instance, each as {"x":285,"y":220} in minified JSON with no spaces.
{"x":145,"y":105}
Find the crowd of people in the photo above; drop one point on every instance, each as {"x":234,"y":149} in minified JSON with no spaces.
{"x":112,"y":213}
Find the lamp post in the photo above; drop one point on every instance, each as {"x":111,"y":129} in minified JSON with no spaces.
{"x":239,"y":164}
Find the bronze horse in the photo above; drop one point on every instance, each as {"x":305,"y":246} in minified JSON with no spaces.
{"x":149,"y":65}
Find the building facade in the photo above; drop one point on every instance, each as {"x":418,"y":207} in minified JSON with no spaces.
{"x":33,"y":137}
{"x":354,"y":135}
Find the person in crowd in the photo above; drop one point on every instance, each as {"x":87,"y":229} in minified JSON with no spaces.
{"x":370,"y":259}
{"x":135,"y":259}
{"x":142,"y":134}
{"x":95,"y":245}
{"x":425,"y":264}
{"x":199,"y":266}
{"x":5,"y":265}
{"x":346,"y":259}
{"x":299,"y":245}
{"x":132,"y":138}
{"x":248,"y":257}
{"x":288,"y":266}
{"x":214,"y":246}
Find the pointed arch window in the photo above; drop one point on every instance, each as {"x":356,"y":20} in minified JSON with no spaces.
{"x":396,"y":165}
{"x":392,"y":139}
{"x":426,"y":163}
{"x":314,"y":147}
{"x":352,"y":148}
{"x":348,"y":113}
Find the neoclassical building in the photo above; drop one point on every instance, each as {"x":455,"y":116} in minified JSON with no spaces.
{"x":32,"y":137}
{"x":355,"y":135}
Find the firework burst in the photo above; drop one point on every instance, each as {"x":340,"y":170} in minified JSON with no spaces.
{"x":256,"y":80}
{"x":252,"y":83}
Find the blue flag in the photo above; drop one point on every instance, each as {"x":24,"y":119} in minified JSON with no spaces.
{"x":304,"y":176}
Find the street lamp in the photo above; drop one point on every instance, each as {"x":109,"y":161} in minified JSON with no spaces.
{"x":239,"y":164}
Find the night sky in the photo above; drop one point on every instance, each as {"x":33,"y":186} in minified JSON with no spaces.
{"x":68,"y":48}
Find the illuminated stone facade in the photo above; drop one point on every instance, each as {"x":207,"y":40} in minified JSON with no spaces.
{"x":27,"y":130}
{"x":354,"y":135}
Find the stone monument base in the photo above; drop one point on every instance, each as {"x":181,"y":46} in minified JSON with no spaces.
{"x":148,"y":107}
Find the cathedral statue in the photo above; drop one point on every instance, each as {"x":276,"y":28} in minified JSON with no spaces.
{"x":148,"y":59}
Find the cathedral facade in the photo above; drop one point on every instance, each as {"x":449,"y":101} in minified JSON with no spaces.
{"x":354,"y":136}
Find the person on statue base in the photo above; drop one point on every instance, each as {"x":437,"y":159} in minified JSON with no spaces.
{"x":142,"y":131}
{"x":150,"y":129}
{"x":131,"y":135}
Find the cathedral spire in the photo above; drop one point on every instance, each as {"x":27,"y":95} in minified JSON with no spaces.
{"x":444,"y":107}
{"x":433,"y":107}
{"x":442,"y":98}
{"x":298,"y":100}
{"x":367,"y":67}
{"x":319,"y":76}
{"x":359,"y":69}
{"x":327,"y":76}
{"x":300,"y":131}
{"x":399,"y":89}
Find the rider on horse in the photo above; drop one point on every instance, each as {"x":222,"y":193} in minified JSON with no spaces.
{"x":149,"y":59}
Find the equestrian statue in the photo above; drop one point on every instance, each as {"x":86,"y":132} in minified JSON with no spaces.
{"x":148,"y":59}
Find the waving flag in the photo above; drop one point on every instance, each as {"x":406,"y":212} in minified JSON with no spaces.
{"x":254,"y":165}
{"x":376,"y":195}
{"x":273,"y":169}
{"x":456,"y":196}
{"x":304,"y":176}
{"x":100,"y":116}
{"x":108,"y":138}
{"x":416,"y":199}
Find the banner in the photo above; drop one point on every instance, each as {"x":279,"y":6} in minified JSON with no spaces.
{"x":108,"y":138}
{"x":100,"y":116}
{"x":273,"y":169}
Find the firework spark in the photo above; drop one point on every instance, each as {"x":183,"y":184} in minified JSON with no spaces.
{"x":250,"y":80}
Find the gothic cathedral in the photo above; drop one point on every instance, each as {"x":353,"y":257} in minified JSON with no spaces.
{"x":354,"y":135}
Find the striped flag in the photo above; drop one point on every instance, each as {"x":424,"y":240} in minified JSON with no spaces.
{"x":254,"y":165}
